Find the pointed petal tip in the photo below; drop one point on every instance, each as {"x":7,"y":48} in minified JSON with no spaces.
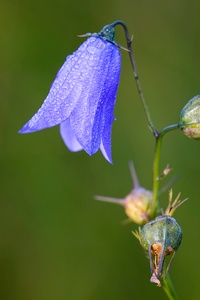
{"x":106,"y":154}
{"x":109,"y":159}
{"x":25,"y":129}
{"x":29,"y":129}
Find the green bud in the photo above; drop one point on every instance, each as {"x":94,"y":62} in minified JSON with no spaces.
{"x":160,"y":237}
{"x":189,"y":120}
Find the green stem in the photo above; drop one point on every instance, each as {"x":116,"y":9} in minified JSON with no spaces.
{"x":134,"y":68}
{"x":169,"y":289}
{"x":156,"y":173}
{"x":156,"y":164}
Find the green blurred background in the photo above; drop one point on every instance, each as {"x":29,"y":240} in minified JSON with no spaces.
{"x":56,"y":241}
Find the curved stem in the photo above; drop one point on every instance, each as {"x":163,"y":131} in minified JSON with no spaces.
{"x":139,"y":88}
{"x":157,"y":162}
{"x":169,"y":128}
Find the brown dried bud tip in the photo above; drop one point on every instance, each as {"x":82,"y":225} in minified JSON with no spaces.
{"x":160,"y":237}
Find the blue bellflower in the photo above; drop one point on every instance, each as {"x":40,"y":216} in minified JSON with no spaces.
{"x":83,"y":95}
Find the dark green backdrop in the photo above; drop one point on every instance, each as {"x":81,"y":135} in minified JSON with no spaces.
{"x":56,"y":242}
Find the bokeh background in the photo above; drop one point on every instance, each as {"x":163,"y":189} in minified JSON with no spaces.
{"x":56,"y":241}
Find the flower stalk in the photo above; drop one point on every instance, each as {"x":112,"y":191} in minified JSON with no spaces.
{"x":136,"y":76}
{"x":156,"y":163}
{"x":169,"y":289}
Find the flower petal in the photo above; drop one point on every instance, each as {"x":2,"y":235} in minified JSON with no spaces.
{"x":108,"y":158}
{"x":108,"y":113}
{"x":68,"y":137}
{"x":97,"y":104}
{"x":70,"y":86}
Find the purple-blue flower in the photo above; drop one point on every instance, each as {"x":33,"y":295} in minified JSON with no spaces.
{"x":83,"y":95}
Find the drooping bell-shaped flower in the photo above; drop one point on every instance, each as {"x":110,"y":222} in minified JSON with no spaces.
{"x":137,"y":204}
{"x":83,"y":94}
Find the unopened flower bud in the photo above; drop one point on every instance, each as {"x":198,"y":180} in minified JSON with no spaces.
{"x":137,"y":203}
{"x":160,"y":237}
{"x":189,"y":120}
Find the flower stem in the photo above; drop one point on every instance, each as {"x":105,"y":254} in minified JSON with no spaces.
{"x":156,"y":163}
{"x":169,"y":289}
{"x":139,"y":88}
